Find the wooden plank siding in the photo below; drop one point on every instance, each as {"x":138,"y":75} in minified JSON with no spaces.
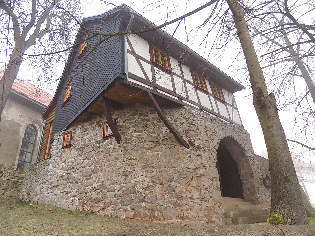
{"x":45,"y":145}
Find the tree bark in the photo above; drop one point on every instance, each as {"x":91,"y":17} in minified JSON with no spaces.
{"x":9,"y":76}
{"x":286,"y":204}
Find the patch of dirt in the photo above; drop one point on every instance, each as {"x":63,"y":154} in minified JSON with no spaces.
{"x":28,"y":219}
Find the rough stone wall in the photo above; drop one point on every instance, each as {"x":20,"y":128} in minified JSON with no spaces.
{"x":149,"y":175}
{"x":15,"y":118}
{"x":10,"y":184}
{"x":263,"y":178}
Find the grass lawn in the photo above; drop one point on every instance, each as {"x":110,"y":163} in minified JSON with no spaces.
{"x":27,"y":219}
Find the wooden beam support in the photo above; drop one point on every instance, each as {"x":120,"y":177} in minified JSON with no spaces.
{"x":112,"y":103}
{"x":176,"y":134}
{"x":109,"y":120}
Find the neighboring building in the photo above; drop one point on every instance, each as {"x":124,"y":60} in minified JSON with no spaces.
{"x":143,"y":127}
{"x":306,"y":176}
{"x":21,"y":124}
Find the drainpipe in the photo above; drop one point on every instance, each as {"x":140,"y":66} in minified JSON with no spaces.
{"x":125,"y":45}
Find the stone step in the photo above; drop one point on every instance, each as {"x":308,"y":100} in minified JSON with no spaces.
{"x":240,"y":211}
{"x":252,"y":219}
{"x":227,"y":201}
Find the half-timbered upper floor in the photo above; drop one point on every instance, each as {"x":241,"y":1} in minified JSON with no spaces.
{"x":155,"y":69}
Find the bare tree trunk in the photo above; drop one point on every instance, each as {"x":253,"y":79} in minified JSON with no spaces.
{"x":9,"y":76}
{"x":286,"y":204}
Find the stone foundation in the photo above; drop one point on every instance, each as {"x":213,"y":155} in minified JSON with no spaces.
{"x":149,"y":176}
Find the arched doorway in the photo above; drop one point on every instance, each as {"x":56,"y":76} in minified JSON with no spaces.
{"x":230,"y":181}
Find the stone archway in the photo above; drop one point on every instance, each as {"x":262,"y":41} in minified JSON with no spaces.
{"x":235,"y":171}
{"x":230,"y":181}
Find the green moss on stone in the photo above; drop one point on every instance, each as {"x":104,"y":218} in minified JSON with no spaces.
{"x":275,"y":219}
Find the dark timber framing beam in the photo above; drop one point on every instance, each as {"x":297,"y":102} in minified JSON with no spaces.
{"x":176,"y":134}
{"x":112,"y":103}
{"x":109,"y":120}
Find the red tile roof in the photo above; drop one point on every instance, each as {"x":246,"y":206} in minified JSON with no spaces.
{"x":29,"y":90}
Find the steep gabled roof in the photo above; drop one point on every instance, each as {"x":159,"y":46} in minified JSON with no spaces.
{"x":30,"y":91}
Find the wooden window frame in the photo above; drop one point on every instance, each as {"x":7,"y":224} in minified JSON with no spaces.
{"x":66,"y":144}
{"x":47,"y":145}
{"x":217,"y":92}
{"x":66,"y":95}
{"x":166,"y":66}
{"x":199,"y":81}
{"x":83,"y":45}
{"x":110,"y":135}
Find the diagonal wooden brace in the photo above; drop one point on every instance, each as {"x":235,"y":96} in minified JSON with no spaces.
{"x":109,"y":120}
{"x":176,"y":134}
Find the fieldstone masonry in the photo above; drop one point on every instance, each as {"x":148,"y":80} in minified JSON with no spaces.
{"x":11,"y":181}
{"x":149,"y":176}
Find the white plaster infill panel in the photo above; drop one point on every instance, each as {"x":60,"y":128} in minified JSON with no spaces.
{"x":192,"y":93}
{"x":141,"y":46}
{"x":228,"y":97}
{"x":147,"y":68}
{"x":208,"y":85}
{"x":133,"y":67}
{"x":187,"y":73}
{"x":214,"y":106}
{"x":236,"y":117}
{"x":230,"y":109}
{"x":179,"y":86}
{"x":175,"y":66}
{"x":163,"y":79}
{"x":204,"y":99}
{"x":222,"y":109}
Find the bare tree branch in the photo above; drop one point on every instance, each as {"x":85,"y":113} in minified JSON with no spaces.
{"x":302,"y":144}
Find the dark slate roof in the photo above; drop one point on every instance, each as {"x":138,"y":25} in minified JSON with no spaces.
{"x":178,"y":50}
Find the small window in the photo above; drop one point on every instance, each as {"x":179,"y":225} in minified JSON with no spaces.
{"x":107,"y":132}
{"x":199,"y":81}
{"x":161,"y":59}
{"x":83,"y":45}
{"x":67,"y":139}
{"x":217,"y":92}
{"x":67,"y":93}
{"x":27,"y":147}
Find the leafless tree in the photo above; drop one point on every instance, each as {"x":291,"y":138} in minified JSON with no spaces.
{"x":285,"y":32}
{"x":286,"y":202}
{"x":45,"y":24}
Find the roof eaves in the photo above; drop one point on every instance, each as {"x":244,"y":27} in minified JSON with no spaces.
{"x":42,"y":106}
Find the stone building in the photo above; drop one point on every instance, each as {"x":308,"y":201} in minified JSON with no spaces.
{"x":20,"y":130}
{"x":21,"y":124}
{"x":143,"y":127}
